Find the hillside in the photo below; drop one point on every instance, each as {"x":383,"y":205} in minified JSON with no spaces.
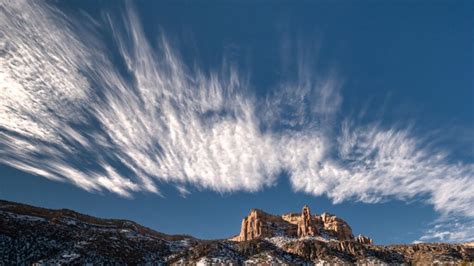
{"x":36,"y":235}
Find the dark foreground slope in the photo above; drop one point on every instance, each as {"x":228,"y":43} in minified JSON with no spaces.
{"x":36,"y":235}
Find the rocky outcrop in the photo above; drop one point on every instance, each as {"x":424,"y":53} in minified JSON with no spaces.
{"x":336,"y":227}
{"x":349,"y":247}
{"x":252,"y":226}
{"x":259,"y":224}
{"x":363,"y":240}
{"x":307,"y":224}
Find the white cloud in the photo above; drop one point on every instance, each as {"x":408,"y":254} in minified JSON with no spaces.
{"x":373,"y":164}
{"x":43,"y":93}
{"x":66,"y":113}
{"x":167,"y":123}
{"x":454,"y":229}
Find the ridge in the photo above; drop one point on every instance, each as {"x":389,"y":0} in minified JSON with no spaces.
{"x":40,"y":236}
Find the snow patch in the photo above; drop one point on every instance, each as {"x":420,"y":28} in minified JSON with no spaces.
{"x":24,"y":217}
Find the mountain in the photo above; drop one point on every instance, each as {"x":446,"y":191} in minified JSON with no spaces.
{"x":259,"y":224}
{"x":32,"y":235}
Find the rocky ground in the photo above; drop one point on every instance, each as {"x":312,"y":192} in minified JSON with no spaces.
{"x":31,"y":235}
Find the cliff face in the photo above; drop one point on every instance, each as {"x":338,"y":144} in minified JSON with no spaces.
{"x":31,"y":235}
{"x":336,"y":227}
{"x":307,"y":224}
{"x":259,"y":224}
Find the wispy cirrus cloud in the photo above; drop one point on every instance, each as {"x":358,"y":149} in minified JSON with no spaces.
{"x":166,"y":123}
{"x":67,"y":113}
{"x":454,"y":229}
{"x":373,"y":163}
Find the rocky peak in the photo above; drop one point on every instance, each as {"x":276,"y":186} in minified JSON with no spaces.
{"x":307,"y":224}
{"x":259,"y":224}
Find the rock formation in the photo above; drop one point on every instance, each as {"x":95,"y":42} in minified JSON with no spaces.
{"x":336,"y":227}
{"x":363,"y":240}
{"x":259,"y":224}
{"x":252,"y":226}
{"x":307,"y":224}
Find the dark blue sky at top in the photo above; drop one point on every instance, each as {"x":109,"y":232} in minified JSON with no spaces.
{"x":398,"y":59}
{"x":405,"y":63}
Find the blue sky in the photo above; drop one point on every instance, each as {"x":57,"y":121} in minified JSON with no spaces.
{"x":184,"y":115}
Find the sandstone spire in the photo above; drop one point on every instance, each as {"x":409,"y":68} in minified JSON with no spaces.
{"x":251,"y":226}
{"x":306,"y":224}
